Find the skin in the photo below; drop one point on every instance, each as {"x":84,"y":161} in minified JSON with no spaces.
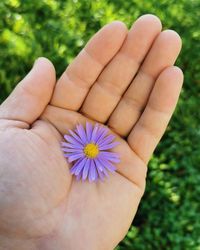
{"x":123,"y":79}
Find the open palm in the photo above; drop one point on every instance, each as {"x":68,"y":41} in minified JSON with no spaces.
{"x":125,"y":80}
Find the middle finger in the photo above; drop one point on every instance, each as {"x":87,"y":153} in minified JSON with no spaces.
{"x":116,"y":77}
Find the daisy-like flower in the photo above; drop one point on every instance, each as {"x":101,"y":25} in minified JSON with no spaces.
{"x":89,"y":151}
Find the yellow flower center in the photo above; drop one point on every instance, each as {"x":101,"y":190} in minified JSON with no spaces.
{"x":91,"y":150}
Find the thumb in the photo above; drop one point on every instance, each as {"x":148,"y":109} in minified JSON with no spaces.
{"x":30,"y":97}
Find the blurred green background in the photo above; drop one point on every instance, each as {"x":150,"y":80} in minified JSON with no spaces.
{"x":169,"y":215}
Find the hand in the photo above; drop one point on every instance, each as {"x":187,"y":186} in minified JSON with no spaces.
{"x":124,"y":79}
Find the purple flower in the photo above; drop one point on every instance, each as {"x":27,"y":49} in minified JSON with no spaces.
{"x":89,"y":150}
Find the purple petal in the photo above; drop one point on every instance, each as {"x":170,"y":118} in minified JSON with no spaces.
{"x":110,"y":154}
{"x":78,"y":177}
{"x":70,"y":154}
{"x":115,"y":160}
{"x":81,"y":133}
{"x":74,"y":167}
{"x":108,"y":146}
{"x":92,"y":172}
{"x":69,"y":145}
{"x":98,"y":165}
{"x":100,"y":130}
{"x":105,"y":172}
{"x":86,"y":169}
{"x":75,"y":136}
{"x":74,"y":157}
{"x":111,"y":159}
{"x":101,"y":174}
{"x":80,"y":166}
{"x":106,"y":140}
{"x":72,"y":140}
{"x":72,"y":150}
{"x":114,"y":157}
{"x":94,"y":133}
{"x":88,"y":131}
{"x":103,"y":134}
{"x":107,"y":165}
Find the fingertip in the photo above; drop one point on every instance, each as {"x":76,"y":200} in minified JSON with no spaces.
{"x":174,"y":34}
{"x":30,"y":97}
{"x":173,"y":37}
{"x":152,"y":20}
{"x":107,"y":41}
{"x":45,"y":68}
{"x":178,"y":72}
{"x":119,"y":25}
{"x":173,"y":73}
{"x":116,"y":30}
{"x":45,"y":62}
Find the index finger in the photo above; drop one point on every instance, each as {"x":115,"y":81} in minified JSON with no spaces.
{"x":74,"y":84}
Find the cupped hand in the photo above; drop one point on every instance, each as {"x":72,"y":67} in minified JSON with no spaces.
{"x":123,"y":79}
